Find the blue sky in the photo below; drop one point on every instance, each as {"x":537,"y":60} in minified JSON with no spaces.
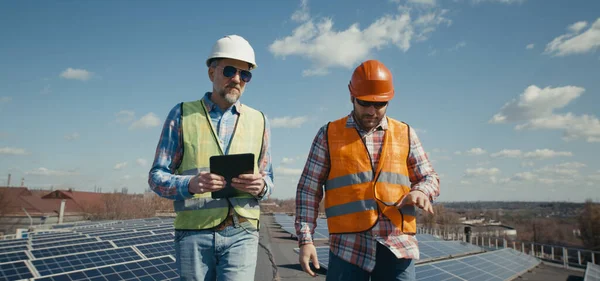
{"x":504,"y":94}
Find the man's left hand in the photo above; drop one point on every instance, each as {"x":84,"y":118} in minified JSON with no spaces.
{"x":418,"y":199}
{"x":250,"y":183}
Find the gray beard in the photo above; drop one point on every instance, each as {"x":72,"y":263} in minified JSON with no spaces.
{"x":229,"y":97}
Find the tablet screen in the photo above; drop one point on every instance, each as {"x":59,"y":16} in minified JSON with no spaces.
{"x":231,"y":166}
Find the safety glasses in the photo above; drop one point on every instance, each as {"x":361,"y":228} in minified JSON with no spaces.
{"x":377,"y":105}
{"x":230,"y":71}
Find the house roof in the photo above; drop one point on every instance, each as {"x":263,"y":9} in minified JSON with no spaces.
{"x":14,"y":199}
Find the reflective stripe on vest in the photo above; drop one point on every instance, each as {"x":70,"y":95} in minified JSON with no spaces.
{"x":355,"y":193}
{"x":200,"y":142}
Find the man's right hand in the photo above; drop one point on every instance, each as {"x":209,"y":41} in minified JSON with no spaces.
{"x":308,"y":252}
{"x":206,"y":182}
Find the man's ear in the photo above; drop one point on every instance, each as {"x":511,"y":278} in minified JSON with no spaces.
{"x":211,"y":74}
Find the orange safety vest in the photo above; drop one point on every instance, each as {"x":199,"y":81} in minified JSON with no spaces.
{"x":355,"y":193}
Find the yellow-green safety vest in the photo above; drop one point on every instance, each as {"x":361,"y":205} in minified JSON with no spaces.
{"x":200,"y":142}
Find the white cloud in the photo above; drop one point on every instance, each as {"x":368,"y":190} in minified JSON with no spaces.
{"x":287,"y":160}
{"x":527,"y":164}
{"x":327,"y":47}
{"x":530,"y":46}
{"x":76,"y":74}
{"x":571,"y":165}
{"x":120,"y":166}
{"x":508,"y":153}
{"x":423,"y":2}
{"x":288,"y":122}
{"x":546,"y":153}
{"x":576,"y":41}
{"x":72,"y":136}
{"x":520,"y":177}
{"x":141,"y":162}
{"x":476,"y":151}
{"x":536,"y":154}
{"x":302,"y":14}
{"x":536,"y":103}
{"x":282,"y":171}
{"x":457,"y":153}
{"x":481,"y":172}
{"x":5,"y":100}
{"x":13,"y":151}
{"x":535,"y":108}
{"x":47,"y":172}
{"x":147,"y":121}
{"x":125,"y":116}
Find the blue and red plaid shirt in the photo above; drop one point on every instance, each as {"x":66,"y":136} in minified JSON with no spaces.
{"x":169,"y":152}
{"x":359,"y":248}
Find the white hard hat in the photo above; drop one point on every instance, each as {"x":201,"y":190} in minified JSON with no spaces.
{"x":233,"y":47}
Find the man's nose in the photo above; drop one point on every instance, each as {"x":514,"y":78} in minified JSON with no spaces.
{"x":236,"y":77}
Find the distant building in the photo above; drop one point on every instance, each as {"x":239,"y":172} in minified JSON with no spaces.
{"x":22,"y":208}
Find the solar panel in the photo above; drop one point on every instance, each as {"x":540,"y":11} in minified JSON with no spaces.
{"x":14,"y":256}
{"x":143,"y":240}
{"x":107,"y":232}
{"x":124,"y":235}
{"x":443,"y":249}
{"x":592,"y":272}
{"x":427,"y":237}
{"x":13,"y":243}
{"x":53,"y":239}
{"x":168,"y":230}
{"x":13,"y":249}
{"x":64,"y":243}
{"x":157,"y":249}
{"x":162,"y":268}
{"x":55,"y":265}
{"x":14,"y":271}
{"x":40,"y":235}
{"x":499,"y":265}
{"x":71,"y":249}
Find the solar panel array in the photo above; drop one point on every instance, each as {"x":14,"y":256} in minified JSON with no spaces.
{"x":448,"y":260}
{"x":114,"y":250}
{"x":592,"y":272}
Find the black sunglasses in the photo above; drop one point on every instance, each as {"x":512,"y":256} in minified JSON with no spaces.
{"x":376,"y":104}
{"x":230,"y":71}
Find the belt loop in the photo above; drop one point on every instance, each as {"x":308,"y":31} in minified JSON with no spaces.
{"x":236,"y":221}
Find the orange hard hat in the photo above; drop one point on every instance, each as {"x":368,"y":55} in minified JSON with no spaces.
{"x":372,"y":81}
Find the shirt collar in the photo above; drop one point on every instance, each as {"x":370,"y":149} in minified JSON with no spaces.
{"x":211,"y":106}
{"x":351,"y":123}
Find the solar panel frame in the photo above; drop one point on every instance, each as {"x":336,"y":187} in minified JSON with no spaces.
{"x":64,"y":243}
{"x":15,"y":271}
{"x":70,"y":249}
{"x":157,"y":249}
{"x":13,"y":243}
{"x":14,"y":249}
{"x":53,"y":239}
{"x":592,"y":272}
{"x":13,"y":256}
{"x":160,"y":268}
{"x":143,"y":240}
{"x":82,"y":261}
{"x":161,"y":231}
{"x":124,"y":235}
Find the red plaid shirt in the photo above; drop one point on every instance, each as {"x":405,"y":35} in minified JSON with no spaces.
{"x":359,"y":248}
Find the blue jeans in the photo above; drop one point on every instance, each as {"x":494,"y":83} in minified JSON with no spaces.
{"x":227,"y":255}
{"x":387,"y":268}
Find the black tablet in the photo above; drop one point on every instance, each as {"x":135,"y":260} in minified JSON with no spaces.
{"x":231,"y":166}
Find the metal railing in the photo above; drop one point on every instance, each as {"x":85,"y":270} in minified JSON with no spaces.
{"x":568,"y":257}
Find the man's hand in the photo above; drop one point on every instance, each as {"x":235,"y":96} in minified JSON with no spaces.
{"x":308,"y":253}
{"x":251,"y":183}
{"x":418,"y":199}
{"x":206,"y":182}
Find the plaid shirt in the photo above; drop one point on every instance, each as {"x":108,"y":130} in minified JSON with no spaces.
{"x":169,"y":152}
{"x":359,"y":248}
